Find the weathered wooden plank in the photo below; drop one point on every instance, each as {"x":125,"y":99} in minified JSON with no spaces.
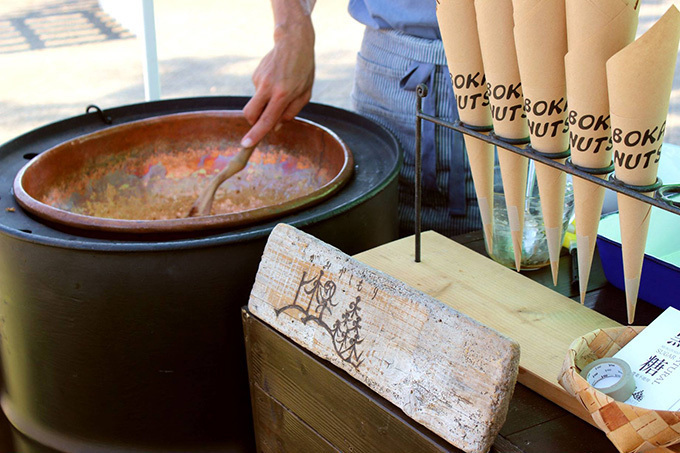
{"x":277,"y":430}
{"x":342,"y":410}
{"x":443,"y":369}
{"x":541,"y":320}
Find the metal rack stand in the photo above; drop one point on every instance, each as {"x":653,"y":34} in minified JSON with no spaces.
{"x":661,"y":193}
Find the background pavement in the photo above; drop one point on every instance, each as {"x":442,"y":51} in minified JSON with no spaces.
{"x":205,"y":47}
{"x":58,"y":56}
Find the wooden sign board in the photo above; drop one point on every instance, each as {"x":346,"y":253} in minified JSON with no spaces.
{"x":442,"y":368}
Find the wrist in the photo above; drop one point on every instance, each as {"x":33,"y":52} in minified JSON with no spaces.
{"x":293,"y":17}
{"x":295,"y":28}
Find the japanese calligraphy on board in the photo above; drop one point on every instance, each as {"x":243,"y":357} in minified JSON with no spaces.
{"x":442,"y":368}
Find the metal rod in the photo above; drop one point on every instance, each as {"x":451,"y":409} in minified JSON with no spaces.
{"x":152,"y":84}
{"x":421,"y":92}
{"x":542,"y":158}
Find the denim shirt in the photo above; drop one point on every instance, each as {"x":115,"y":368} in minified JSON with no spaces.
{"x":413,"y":17}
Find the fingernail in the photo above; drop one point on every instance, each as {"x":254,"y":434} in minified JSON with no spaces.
{"x":247,"y":142}
{"x":277,"y":127}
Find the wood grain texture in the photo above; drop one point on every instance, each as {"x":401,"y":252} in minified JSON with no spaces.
{"x":542,"y":321}
{"x":442,"y":368}
{"x":279,"y":431}
{"x":346,"y":413}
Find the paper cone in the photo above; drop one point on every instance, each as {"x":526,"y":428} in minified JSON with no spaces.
{"x":497,"y":44}
{"x":523,"y":8}
{"x":458,"y":27}
{"x":595,"y":32}
{"x":541,"y":40}
{"x":640,"y":79}
{"x":633,"y":240}
{"x":480,"y":155}
{"x":514,"y":174}
{"x":588,"y":199}
{"x":551,"y":188}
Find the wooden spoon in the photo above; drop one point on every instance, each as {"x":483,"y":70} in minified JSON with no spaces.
{"x":203,"y":203}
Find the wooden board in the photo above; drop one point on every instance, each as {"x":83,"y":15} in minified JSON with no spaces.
{"x":542,"y":321}
{"x":349,"y":416}
{"x":443,"y":369}
{"x":279,"y":430}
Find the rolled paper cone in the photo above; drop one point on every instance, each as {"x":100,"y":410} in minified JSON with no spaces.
{"x":551,"y":187}
{"x":523,"y":8}
{"x":497,"y":45}
{"x":589,"y":196}
{"x":541,"y":41}
{"x":514,"y":174}
{"x":458,"y":27}
{"x":640,"y":79}
{"x":480,"y":155}
{"x":633,"y":240}
{"x":611,"y":26}
{"x":586,"y":17}
{"x":595,"y":32}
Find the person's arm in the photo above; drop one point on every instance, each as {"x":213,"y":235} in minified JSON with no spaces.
{"x":283,"y":80}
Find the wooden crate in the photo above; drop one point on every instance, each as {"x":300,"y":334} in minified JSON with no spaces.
{"x":304,"y":404}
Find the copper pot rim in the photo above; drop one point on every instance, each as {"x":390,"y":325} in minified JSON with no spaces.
{"x":180,"y":225}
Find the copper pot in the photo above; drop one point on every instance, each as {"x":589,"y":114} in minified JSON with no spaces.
{"x":143,"y":176}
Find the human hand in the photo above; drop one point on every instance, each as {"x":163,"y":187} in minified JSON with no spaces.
{"x":283,"y":80}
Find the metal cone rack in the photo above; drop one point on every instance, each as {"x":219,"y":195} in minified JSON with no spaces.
{"x":662,"y":193}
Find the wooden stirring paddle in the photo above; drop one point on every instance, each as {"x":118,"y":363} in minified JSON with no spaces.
{"x":203,"y":203}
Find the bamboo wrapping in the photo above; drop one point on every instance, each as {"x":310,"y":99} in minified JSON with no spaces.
{"x":629,"y":428}
{"x":596,"y":30}
{"x":640,"y":79}
{"x":541,"y":40}
{"x":458,"y":27}
{"x":504,"y":89}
